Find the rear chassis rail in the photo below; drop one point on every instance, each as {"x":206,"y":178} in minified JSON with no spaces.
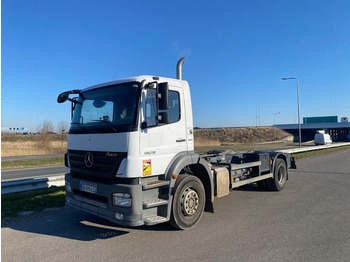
{"x":247,"y":168}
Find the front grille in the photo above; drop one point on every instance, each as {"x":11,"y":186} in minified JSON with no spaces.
{"x":105,"y":164}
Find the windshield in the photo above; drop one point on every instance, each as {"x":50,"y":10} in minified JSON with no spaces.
{"x":106,"y":110}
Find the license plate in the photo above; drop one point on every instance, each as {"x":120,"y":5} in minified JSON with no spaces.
{"x":89,"y":188}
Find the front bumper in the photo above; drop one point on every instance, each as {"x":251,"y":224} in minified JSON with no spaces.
{"x":101,"y":203}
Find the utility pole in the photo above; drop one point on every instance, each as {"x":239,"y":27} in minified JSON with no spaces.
{"x":274,"y":122}
{"x":299,"y":127}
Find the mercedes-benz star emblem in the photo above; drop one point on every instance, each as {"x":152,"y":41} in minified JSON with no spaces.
{"x":89,"y":160}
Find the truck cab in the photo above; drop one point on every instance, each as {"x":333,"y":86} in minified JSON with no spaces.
{"x":123,"y":135}
{"x":125,"y":119}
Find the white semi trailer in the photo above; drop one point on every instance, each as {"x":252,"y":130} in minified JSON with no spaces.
{"x":132,"y":160}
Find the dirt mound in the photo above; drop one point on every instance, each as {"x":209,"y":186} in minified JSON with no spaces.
{"x":227,"y":136}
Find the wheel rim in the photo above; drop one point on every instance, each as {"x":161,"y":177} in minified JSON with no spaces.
{"x":281,"y":175}
{"x":189,"y":201}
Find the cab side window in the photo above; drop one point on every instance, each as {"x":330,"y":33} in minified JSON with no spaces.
{"x":151,"y":107}
{"x":174,"y":107}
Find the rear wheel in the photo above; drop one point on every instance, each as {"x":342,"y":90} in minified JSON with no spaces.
{"x":279,"y":179}
{"x":188,"y":202}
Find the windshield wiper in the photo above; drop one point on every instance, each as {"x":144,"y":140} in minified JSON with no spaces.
{"x":79,"y":124}
{"x":108,"y":122}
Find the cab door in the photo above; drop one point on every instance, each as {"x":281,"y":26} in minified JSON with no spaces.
{"x":160,"y":142}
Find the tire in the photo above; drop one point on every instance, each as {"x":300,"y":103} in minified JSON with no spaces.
{"x":278,"y":182}
{"x":188,"y":202}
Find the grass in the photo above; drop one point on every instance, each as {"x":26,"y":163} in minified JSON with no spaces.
{"x":28,"y":163}
{"x":319,"y":152}
{"x":13,"y":204}
{"x":27,"y":148}
{"x":16,"y":138}
{"x":20,"y":145}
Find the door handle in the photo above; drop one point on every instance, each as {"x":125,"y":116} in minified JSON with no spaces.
{"x":180,"y":140}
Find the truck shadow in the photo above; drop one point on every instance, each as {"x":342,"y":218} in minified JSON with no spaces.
{"x":73,"y":224}
{"x":251,"y":188}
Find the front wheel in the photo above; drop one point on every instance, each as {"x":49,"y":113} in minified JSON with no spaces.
{"x":188,"y":202}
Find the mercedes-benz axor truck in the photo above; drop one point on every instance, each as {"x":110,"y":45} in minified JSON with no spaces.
{"x":132,"y":160}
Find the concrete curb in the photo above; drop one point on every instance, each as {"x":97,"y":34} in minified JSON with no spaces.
{"x":31,"y":184}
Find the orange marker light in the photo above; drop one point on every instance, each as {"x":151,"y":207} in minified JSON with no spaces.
{"x":175,"y":176}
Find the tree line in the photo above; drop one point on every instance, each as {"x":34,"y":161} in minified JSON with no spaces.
{"x":48,"y":128}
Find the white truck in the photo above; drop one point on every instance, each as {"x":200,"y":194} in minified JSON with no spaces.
{"x":132,"y":160}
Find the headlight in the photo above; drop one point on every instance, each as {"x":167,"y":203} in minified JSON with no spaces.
{"x":68,"y":187}
{"x":122,"y":199}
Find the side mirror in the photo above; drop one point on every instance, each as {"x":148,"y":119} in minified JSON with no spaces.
{"x":163,"y":96}
{"x":62,"y":97}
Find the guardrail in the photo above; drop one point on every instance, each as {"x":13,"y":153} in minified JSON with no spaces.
{"x":31,"y":184}
{"x":56,"y":181}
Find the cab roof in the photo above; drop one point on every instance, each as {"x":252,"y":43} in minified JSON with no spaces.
{"x":148,"y":78}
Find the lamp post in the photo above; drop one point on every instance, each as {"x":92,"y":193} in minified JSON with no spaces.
{"x":296,"y":79}
{"x":274,"y":122}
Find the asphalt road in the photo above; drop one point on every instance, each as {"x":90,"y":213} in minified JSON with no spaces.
{"x":308,"y":221}
{"x":15,"y":174}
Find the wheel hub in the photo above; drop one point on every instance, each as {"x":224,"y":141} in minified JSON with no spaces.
{"x":190,"y":202}
{"x":280,"y":175}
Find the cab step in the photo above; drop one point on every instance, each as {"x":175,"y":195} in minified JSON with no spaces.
{"x":149,"y":203}
{"x":155,"y":184}
{"x":154,"y":220}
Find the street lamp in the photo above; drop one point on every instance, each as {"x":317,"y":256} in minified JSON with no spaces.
{"x":296,"y":79}
{"x":274,"y":122}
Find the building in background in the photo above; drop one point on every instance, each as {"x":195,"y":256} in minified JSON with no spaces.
{"x":320,"y":119}
{"x":339,"y":131}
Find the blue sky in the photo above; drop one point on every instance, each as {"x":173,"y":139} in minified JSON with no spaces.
{"x":236,"y":54}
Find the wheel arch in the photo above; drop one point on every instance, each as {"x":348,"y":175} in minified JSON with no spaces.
{"x":197,"y":166}
{"x":284,"y":158}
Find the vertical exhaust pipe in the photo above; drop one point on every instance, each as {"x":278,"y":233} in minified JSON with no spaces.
{"x":179,"y":68}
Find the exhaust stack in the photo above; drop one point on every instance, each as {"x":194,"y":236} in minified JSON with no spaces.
{"x":179,"y":68}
